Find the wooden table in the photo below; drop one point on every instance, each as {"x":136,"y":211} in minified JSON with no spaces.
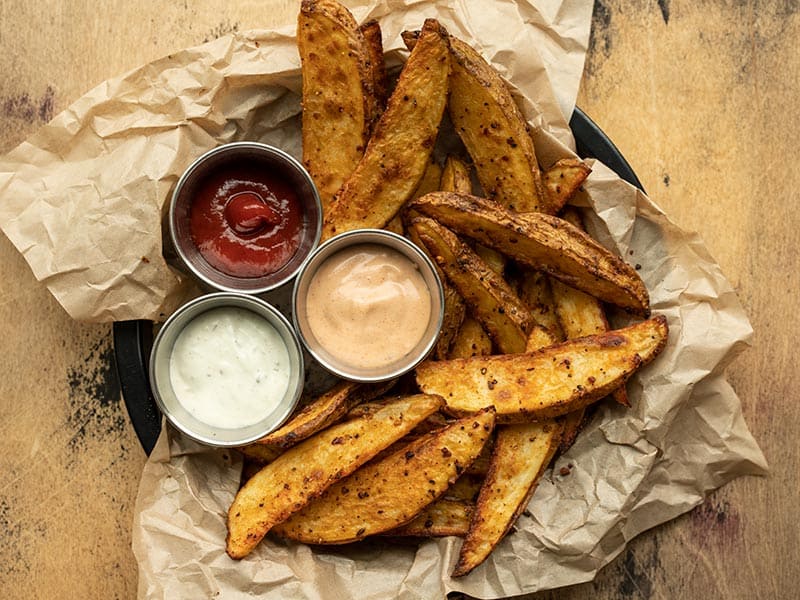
{"x":702,"y":100}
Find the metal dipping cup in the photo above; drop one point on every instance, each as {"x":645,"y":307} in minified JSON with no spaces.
{"x":326,"y":358}
{"x":179,"y":416}
{"x":277,"y":162}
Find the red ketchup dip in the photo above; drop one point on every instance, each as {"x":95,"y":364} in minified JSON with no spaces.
{"x":245,"y":219}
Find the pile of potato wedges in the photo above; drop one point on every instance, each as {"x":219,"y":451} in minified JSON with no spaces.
{"x":525,"y":349}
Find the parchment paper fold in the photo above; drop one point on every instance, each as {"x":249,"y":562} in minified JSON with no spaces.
{"x":83,"y":200}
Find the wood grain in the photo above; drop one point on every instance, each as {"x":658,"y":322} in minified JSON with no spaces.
{"x":702,"y":100}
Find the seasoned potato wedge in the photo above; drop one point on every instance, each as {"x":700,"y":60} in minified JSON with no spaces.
{"x":494,"y":132}
{"x":442,"y":518}
{"x":338,"y":98}
{"x":455,"y":310}
{"x":388,"y":493}
{"x":373,"y":43}
{"x":305,"y":471}
{"x":489,"y":299}
{"x":535,"y":291}
{"x":398,"y":152}
{"x":562,"y":180}
{"x":578,"y":313}
{"x":548,"y":383}
{"x":520,"y":456}
{"x":455,"y":176}
{"x":466,"y":487}
{"x":260,"y":453}
{"x":324,"y":410}
{"x":541,"y":242}
{"x":471,"y":340}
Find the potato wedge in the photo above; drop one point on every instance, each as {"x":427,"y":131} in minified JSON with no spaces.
{"x":495,"y":133}
{"x":398,"y":152}
{"x":305,"y":471}
{"x":338,"y":99}
{"x":325,"y":410}
{"x":562,"y":180}
{"x":471,"y":340}
{"x":521,"y":455}
{"x":455,"y":310}
{"x":455,"y":176}
{"x":466,"y":487}
{"x":489,"y":299}
{"x":261,"y":453}
{"x":541,"y":242}
{"x":548,"y":383}
{"x":535,"y":291}
{"x":440,"y":519}
{"x":578,"y":313}
{"x":388,"y":493}
{"x":373,"y":43}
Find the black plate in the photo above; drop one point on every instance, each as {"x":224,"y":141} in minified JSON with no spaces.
{"x":134,"y":339}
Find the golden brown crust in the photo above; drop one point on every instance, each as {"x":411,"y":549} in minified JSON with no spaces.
{"x":398,"y":152}
{"x":562,"y":180}
{"x":338,"y":100}
{"x":326,"y":409}
{"x":494,"y":132}
{"x":305,"y":471}
{"x":489,"y":299}
{"x":550,"y":382}
{"x":542,"y":242}
{"x":388,"y":493}
{"x":520,"y":457}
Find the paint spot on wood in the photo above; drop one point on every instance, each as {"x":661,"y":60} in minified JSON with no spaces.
{"x":223,"y":28}
{"x":637,"y":569}
{"x":94,"y":396}
{"x":29,"y":109}
{"x":600,"y":37}
{"x":11,"y":546}
{"x":663,"y":6}
{"x":716,"y":522}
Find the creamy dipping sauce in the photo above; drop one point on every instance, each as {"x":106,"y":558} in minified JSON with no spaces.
{"x":368,"y":306}
{"x":229,"y":367}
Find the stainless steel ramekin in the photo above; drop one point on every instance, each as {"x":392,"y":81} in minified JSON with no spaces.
{"x":179,"y":416}
{"x":274,"y":160}
{"x":410,"y":251}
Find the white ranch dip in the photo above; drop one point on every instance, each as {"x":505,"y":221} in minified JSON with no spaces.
{"x":229,"y":367}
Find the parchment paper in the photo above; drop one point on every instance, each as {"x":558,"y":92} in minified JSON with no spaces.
{"x":83,"y":201}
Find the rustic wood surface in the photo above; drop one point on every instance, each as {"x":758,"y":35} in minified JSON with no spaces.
{"x":701,"y":97}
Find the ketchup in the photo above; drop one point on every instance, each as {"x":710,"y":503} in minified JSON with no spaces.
{"x":245,"y":220}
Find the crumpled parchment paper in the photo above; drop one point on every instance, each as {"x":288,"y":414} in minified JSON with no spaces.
{"x":83,"y":200}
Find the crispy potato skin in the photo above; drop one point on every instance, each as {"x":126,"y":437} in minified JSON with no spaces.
{"x":398,"y":152}
{"x":579,"y":313}
{"x":471,"y":340}
{"x":388,"y":493}
{"x":373,"y":44}
{"x":455,"y":176}
{"x":324,"y":410}
{"x":494,"y":132}
{"x":547,"y":383}
{"x":562,"y":180}
{"x":338,"y":99}
{"x":542,"y":242}
{"x":489,"y":299}
{"x":305,"y":471}
{"x":519,"y":457}
{"x":521,"y":454}
{"x":442,"y":518}
{"x":534,"y":289}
